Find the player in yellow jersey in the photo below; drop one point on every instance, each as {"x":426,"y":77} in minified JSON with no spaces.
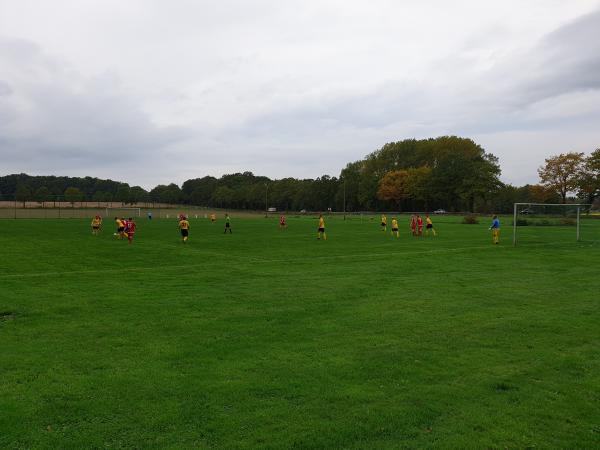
{"x":213,"y":218}
{"x":321,"y":231}
{"x":96,"y":225}
{"x":120,"y":228}
{"x":383,"y":223}
{"x":429,"y":225}
{"x":395,"y":227}
{"x":184,"y":227}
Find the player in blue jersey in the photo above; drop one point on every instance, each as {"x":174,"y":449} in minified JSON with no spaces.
{"x":495,"y":228}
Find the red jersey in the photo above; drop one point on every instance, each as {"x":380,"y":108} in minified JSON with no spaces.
{"x":420,"y":222}
{"x":413,"y":222}
{"x":130,"y":227}
{"x":282,"y":220}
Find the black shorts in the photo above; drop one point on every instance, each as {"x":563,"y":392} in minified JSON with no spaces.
{"x":321,"y":230}
{"x":226,"y":224}
{"x":120,"y":229}
{"x":96,"y":227}
{"x":394,"y":229}
{"x":429,"y":226}
{"x":184,"y":232}
{"x":383,"y":224}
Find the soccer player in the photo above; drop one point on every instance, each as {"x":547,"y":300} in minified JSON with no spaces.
{"x":213,"y":218}
{"x":395,"y":227}
{"x":282,"y":224}
{"x":383,"y":223}
{"x":413,"y":225}
{"x":428,"y":225}
{"x":130,"y":229}
{"x":495,"y":227}
{"x":321,"y":230}
{"x":227,"y":224}
{"x":184,"y":227}
{"x":96,"y":224}
{"x":120,"y":228}
{"x":420,"y":224}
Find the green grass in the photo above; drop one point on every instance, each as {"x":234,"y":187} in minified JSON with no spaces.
{"x":269,"y":339}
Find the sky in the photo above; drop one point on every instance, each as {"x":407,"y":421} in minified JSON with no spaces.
{"x":152,"y":92}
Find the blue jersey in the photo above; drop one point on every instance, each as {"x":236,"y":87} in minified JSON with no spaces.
{"x":495,"y":223}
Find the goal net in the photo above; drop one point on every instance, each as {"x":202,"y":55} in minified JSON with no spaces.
{"x":123,"y":212}
{"x":548,"y":222}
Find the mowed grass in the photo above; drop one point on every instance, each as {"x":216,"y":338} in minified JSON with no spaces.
{"x":270,"y":339}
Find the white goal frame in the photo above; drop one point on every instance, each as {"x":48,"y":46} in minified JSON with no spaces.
{"x":579,"y":207}
{"x":138,"y":210}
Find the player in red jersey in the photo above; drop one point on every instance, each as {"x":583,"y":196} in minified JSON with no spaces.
{"x":282,"y":224}
{"x":413,"y":224}
{"x":420,"y":224}
{"x":130,"y":229}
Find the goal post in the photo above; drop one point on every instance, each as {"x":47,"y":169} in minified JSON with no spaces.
{"x":137,"y":212}
{"x":569,"y":214}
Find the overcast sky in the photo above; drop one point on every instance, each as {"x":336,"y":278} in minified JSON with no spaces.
{"x":149,"y":92}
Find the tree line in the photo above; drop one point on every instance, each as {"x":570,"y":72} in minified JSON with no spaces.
{"x":448,"y":172}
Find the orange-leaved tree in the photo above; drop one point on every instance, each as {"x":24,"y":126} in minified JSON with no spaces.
{"x":394,"y":186}
{"x":562,"y":173}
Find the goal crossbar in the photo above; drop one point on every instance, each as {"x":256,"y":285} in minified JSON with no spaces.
{"x":138,"y":211}
{"x":579,"y":207}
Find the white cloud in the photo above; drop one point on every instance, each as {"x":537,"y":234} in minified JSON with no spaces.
{"x":152,"y":91}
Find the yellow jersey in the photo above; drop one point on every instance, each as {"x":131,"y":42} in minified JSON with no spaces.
{"x":119,"y":223}
{"x":96,"y":222}
{"x":428,"y":220}
{"x":383,"y":219}
{"x":184,"y":224}
{"x":321,"y":223}
{"x":394,"y":223}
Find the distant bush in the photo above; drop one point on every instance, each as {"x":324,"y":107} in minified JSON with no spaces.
{"x":471,"y":219}
{"x":567,"y":221}
{"x":522,"y":222}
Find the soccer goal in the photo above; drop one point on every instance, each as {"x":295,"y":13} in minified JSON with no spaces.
{"x":123,"y":212}
{"x":556,"y":215}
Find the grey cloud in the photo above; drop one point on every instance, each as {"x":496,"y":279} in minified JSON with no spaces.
{"x":566,"y":60}
{"x":56,"y":120}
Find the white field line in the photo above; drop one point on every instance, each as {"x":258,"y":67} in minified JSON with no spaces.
{"x":362,"y":256}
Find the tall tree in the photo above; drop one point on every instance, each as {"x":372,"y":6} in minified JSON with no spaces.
{"x":73,"y":194}
{"x":589,"y":187}
{"x":417,"y":184}
{"x":562,"y":173}
{"x":42,"y":194}
{"x":23,"y":193}
{"x":394,"y":186}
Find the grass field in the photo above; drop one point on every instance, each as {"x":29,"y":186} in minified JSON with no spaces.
{"x":269,"y":339}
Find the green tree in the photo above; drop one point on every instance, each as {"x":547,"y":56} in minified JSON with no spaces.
{"x":23,"y":193}
{"x":42,"y":194}
{"x":417,"y":184}
{"x":199,"y":191}
{"x":138,"y":194}
{"x":123,"y":193}
{"x":563,"y":173}
{"x":589,"y":184}
{"x":166,"y":194}
{"x":73,"y":194}
{"x":223,"y":196}
{"x":101,"y":196}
